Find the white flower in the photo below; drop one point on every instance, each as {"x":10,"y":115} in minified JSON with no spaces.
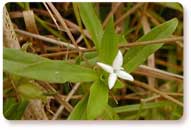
{"x":116,"y":70}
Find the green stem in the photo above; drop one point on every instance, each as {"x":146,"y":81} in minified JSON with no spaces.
{"x":136,"y":107}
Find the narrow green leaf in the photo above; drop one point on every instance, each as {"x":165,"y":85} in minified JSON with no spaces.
{"x":109,"y":44}
{"x":98,"y":99}
{"x":172,"y":5}
{"x":48,"y":28}
{"x":79,"y":112}
{"x":35,"y":67}
{"x":19,"y":111}
{"x":79,"y":21}
{"x":137,"y":55}
{"x":136,"y":107}
{"x":91,"y":22}
{"x":21,"y":57}
{"x":13,"y":110}
{"x":8,"y":107}
{"x":90,"y":55}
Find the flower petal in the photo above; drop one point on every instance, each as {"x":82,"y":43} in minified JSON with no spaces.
{"x":118,"y":61}
{"x":105,"y":67}
{"x":111,"y":80}
{"x":124,"y":75}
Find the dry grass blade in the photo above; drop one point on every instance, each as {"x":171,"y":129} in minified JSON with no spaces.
{"x":16,"y":14}
{"x":57,"y":96}
{"x":148,"y":71}
{"x":52,"y":16}
{"x":151,"y":59}
{"x":43,"y":38}
{"x":9,"y":36}
{"x":30,"y":21}
{"x":165,"y":41}
{"x":145,"y":24}
{"x":80,"y":38}
{"x":35,"y":111}
{"x":72,"y":25}
{"x":150,"y":98}
{"x":31,"y":26}
{"x":152,"y":18}
{"x":167,"y":64}
{"x":116,"y":6}
{"x":123,"y":46}
{"x":143,"y":85}
{"x":129,"y":12}
{"x":118,"y":97}
{"x":60,"y":109}
{"x":62,"y":22}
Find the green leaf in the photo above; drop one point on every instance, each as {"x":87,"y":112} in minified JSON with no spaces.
{"x":118,"y":84}
{"x":13,"y":110}
{"x":98,"y":99}
{"x":136,"y":107}
{"x":79,"y":112}
{"x":90,"y":55}
{"x":109,"y":114}
{"x":35,"y":67}
{"x":137,"y":55}
{"x":30,"y":91}
{"x":172,"y":5}
{"x":21,"y":57}
{"x":109,"y":44}
{"x":91,"y":22}
{"x":9,"y":106}
{"x":18,"y":113}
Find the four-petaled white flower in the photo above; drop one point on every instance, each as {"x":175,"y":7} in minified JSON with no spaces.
{"x":116,"y":70}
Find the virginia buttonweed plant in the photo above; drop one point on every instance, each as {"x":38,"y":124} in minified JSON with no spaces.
{"x":100,"y":77}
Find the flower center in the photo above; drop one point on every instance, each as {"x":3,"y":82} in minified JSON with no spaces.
{"x":115,"y":70}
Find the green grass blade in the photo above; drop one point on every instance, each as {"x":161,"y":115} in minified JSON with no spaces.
{"x":172,"y":5}
{"x":136,"y":107}
{"x":137,"y":55}
{"x":13,"y":110}
{"x":108,"y":47}
{"x":109,"y":114}
{"x":79,"y":112}
{"x":98,"y":99}
{"x":91,"y":22}
{"x":49,"y":29}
